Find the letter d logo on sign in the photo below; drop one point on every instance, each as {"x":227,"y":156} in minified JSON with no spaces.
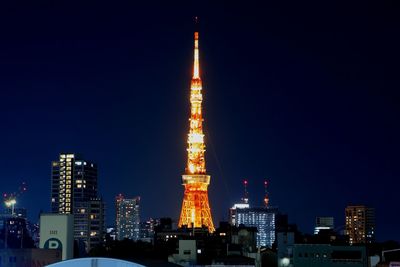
{"x":53,"y":243}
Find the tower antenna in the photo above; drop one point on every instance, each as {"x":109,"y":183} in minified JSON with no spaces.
{"x":196,"y":23}
{"x":266,"y":197}
{"x":246,"y":193}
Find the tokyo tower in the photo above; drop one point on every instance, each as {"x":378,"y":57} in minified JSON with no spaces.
{"x":195,"y":208}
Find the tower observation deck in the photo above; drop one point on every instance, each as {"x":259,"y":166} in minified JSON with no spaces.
{"x":195,"y":207}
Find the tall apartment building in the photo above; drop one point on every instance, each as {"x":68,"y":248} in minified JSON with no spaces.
{"x":74,"y":180}
{"x":360,"y":224}
{"x":74,"y":191}
{"x":127,"y":217}
{"x":118,"y":214}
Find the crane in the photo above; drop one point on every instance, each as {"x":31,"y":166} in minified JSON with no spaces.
{"x":10,"y":199}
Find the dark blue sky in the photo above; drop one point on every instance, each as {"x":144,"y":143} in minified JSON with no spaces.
{"x":304,"y":94}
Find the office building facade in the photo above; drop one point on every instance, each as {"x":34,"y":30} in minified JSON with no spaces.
{"x":263,"y":218}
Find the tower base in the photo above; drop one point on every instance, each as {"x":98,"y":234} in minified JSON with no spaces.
{"x":195,"y":208}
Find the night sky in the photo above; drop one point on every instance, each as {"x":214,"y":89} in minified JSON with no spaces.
{"x":304,"y":94}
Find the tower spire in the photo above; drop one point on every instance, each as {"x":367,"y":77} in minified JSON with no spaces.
{"x":196,"y":68}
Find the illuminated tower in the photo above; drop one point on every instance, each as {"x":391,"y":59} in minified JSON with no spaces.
{"x":195,"y":208}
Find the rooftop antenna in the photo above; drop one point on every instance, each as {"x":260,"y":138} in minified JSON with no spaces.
{"x":245,"y":198}
{"x":266,"y":197}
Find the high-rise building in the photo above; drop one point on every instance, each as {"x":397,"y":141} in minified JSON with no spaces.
{"x":74,"y":191}
{"x":360,"y":224}
{"x":74,"y":180}
{"x":323,"y":223}
{"x":118,"y":214}
{"x":196,"y":211}
{"x":128,"y":217}
{"x":263,"y":218}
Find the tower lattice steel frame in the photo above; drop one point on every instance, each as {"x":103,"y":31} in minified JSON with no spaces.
{"x":195,"y":208}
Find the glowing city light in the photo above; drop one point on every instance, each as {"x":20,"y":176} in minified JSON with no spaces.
{"x":10,"y":202}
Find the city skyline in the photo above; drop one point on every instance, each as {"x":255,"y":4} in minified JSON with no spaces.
{"x":312,"y":107}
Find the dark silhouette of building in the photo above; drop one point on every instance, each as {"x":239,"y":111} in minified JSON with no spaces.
{"x":14,"y":233}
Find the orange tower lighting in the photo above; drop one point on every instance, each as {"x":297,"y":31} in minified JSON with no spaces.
{"x":195,"y":208}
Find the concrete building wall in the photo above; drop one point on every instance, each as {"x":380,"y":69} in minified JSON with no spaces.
{"x":56,"y":232}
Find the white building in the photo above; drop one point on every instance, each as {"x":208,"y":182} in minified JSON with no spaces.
{"x":57,"y":232}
